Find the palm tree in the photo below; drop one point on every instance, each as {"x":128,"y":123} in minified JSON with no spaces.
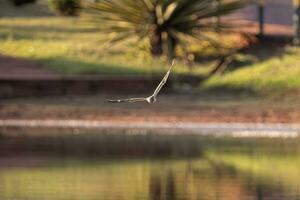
{"x":167,"y":22}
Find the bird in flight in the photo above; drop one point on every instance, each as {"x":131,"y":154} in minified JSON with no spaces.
{"x":152,"y":98}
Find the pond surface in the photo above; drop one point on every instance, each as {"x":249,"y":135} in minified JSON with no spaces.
{"x":226,"y":169}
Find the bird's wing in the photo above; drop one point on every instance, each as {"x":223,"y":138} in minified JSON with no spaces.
{"x":127,"y":100}
{"x":164,"y":80}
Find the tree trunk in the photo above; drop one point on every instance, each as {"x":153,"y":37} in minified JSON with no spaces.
{"x":296,"y":21}
{"x":261,"y":17}
{"x":221,"y":66}
{"x":155,"y":38}
{"x":171,"y":42}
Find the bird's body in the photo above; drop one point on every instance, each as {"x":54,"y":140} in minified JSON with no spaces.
{"x":151,"y":99}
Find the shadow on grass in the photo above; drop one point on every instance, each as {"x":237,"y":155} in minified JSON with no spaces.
{"x":39,"y":9}
{"x":48,"y":28}
{"x":250,"y":56}
{"x":30,"y":32}
{"x":254,"y":53}
{"x":233,"y":92}
{"x":28,"y":36}
{"x":74,"y":67}
{"x":257,"y":53}
{"x":78,"y":67}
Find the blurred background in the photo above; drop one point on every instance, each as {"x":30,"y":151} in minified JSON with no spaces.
{"x":225,"y":126}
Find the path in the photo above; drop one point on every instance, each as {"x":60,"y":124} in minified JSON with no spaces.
{"x":17,"y":67}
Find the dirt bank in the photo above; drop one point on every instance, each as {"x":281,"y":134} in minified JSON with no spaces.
{"x":175,"y":108}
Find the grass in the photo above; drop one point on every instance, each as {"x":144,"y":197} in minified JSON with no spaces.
{"x":275,"y":75}
{"x":68,"y":46}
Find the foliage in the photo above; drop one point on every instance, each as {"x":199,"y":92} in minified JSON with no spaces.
{"x":163,"y":22}
{"x":65,"y":7}
{"x":21,"y":2}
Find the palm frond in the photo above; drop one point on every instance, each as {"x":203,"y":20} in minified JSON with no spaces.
{"x":152,"y":18}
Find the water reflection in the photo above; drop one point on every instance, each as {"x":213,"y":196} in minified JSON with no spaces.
{"x":110,"y":167}
{"x":216,"y":183}
{"x":161,"y":188}
{"x":140,"y":179}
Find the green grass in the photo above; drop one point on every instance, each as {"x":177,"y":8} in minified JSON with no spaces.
{"x":69,"y":46}
{"x":274,"y":75}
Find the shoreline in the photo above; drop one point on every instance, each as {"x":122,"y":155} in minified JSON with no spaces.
{"x":170,"y":109}
{"x":166,"y":128}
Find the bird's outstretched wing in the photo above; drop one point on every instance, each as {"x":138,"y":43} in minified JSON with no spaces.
{"x":158,"y":88}
{"x":164,"y":80}
{"x":127,"y":100}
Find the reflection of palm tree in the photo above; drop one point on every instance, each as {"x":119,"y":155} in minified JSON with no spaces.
{"x":155,"y":187}
{"x":162,"y":187}
{"x":259,"y":193}
{"x":170,"y":186}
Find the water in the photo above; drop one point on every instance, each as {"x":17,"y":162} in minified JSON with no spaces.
{"x":220,"y":169}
